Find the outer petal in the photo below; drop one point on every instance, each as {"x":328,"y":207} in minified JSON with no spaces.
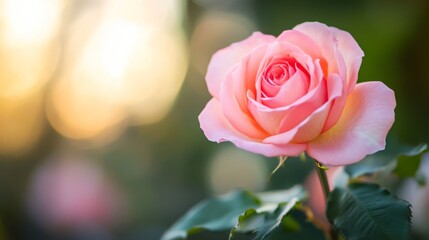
{"x":352,"y":55}
{"x":225,"y":59}
{"x":327,"y":42}
{"x":347,"y":46}
{"x":233,"y":103}
{"x":217,"y":129}
{"x":303,"y":41}
{"x":362,"y":128}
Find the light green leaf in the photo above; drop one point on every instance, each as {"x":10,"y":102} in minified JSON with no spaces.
{"x":216,"y":214}
{"x":409,"y":162}
{"x":280,"y":196}
{"x":401,"y":159}
{"x":274,"y":219}
{"x":285,"y":221}
{"x":222,"y":213}
{"x":365,"y":211}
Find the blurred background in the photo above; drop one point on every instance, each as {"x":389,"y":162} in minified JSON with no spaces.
{"x":99,"y":137}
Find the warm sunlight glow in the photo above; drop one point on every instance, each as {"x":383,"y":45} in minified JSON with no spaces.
{"x":31,"y":20}
{"x":216,"y":30}
{"x":121,"y":69}
{"x":110,"y":49}
{"x":21,"y":125}
{"x":78,"y":111}
{"x":29,"y":53}
{"x":156,"y":75}
{"x":28,"y":41}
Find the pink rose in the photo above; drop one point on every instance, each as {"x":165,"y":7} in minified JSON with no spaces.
{"x":297,"y":92}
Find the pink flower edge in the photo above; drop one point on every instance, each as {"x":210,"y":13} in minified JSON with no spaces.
{"x":362,"y":128}
{"x":217,"y":129}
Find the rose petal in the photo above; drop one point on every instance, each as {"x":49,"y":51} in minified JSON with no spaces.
{"x":273,"y":120}
{"x":285,"y":118}
{"x":294,"y":88}
{"x":234,"y":104}
{"x":301,"y":40}
{"x":352,"y":55}
{"x":336,"y":111}
{"x":217,"y":129}
{"x":224,"y":60}
{"x":347,"y":46}
{"x":311,"y":126}
{"x":326,"y":39}
{"x":362,"y":128}
{"x":278,"y":51}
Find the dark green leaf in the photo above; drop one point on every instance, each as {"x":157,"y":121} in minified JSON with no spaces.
{"x":215,"y":214}
{"x":364,"y":211}
{"x":297,"y":226}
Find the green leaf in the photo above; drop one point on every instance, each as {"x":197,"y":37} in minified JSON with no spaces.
{"x":388,"y":160}
{"x":280,"y":196}
{"x":275,"y":218}
{"x":263,"y":220}
{"x":297,"y":225}
{"x":408,"y":163}
{"x":216,"y":214}
{"x":222,"y":213}
{"x":365,"y":211}
{"x":280,"y":221}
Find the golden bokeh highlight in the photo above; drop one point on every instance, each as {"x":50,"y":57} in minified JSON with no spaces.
{"x":125,"y":68}
{"x":216,"y":30}
{"x":109,"y":64}
{"x":29,"y":48}
{"x":29,"y":54}
{"x":22,"y":124}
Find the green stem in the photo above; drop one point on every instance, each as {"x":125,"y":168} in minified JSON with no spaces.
{"x":321,"y":172}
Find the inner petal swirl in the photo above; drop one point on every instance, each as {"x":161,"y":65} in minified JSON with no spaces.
{"x":285,"y":75}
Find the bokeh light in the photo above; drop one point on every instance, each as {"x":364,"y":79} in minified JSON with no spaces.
{"x":22,"y":124}
{"x":122,"y":69}
{"x":69,"y":193}
{"x":99,"y":104}
{"x":216,"y":30}
{"x":28,"y":40}
{"x":29,"y":53}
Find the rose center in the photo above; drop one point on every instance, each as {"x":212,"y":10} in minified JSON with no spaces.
{"x":278,"y":72}
{"x":284,"y":73}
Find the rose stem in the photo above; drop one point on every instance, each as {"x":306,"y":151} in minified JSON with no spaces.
{"x":321,"y":172}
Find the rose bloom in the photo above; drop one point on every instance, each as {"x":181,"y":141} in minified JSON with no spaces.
{"x":297,"y":92}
